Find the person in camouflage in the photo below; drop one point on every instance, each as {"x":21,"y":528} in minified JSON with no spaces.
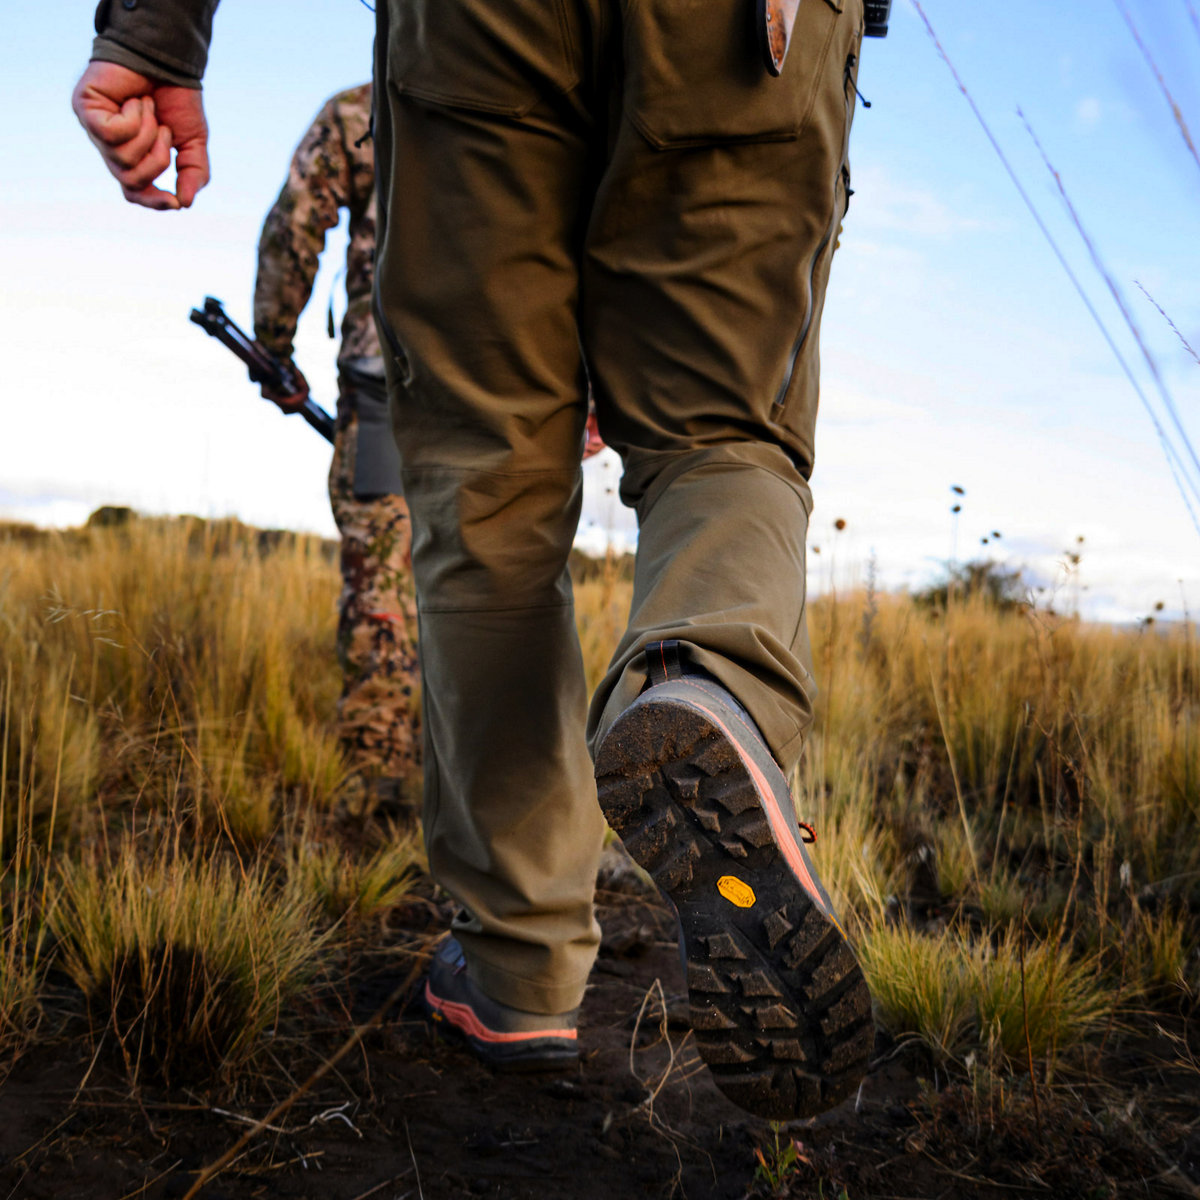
{"x":379,"y":711}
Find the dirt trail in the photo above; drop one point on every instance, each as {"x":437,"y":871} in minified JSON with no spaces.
{"x":410,"y":1117}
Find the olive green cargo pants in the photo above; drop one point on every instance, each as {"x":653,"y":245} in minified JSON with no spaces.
{"x":614,"y":187}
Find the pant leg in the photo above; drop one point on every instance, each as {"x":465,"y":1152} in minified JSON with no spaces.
{"x":705,"y":261}
{"x":481,"y":157}
{"x":703,"y":283}
{"x":379,"y":723}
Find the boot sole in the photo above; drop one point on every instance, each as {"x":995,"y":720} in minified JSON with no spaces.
{"x":779,"y":1006}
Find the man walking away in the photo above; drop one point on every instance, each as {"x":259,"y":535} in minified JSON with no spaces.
{"x":645,"y":196}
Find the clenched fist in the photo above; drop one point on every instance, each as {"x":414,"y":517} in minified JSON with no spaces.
{"x":135,"y":123}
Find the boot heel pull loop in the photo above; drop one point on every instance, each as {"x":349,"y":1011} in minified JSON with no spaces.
{"x":662,"y":661}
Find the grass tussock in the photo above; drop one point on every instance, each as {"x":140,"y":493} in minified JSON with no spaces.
{"x":960,"y":995}
{"x":22,"y":903}
{"x":186,"y":961}
{"x":357,"y":887}
{"x":920,"y":989}
{"x":1164,"y":955}
{"x":22,"y":944}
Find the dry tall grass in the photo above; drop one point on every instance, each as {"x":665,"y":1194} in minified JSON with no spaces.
{"x":195,"y":667}
{"x":975,"y":770}
{"x":1007,"y":801}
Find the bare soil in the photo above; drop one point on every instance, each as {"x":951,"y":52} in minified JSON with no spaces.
{"x":406,"y":1115}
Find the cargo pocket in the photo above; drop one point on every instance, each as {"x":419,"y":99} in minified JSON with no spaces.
{"x":695,"y":74}
{"x":479,"y":54}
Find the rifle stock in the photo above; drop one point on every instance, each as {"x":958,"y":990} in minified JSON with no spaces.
{"x":263,"y":367}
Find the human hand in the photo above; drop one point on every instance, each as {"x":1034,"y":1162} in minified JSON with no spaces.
{"x":593,"y":442}
{"x":135,"y":122}
{"x":289,"y":402}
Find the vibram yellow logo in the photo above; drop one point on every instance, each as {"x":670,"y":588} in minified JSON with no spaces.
{"x":736,"y":891}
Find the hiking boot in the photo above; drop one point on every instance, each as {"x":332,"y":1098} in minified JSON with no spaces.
{"x":779,"y":1006}
{"x":498,"y":1035}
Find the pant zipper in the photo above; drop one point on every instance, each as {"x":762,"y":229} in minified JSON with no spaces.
{"x":806,"y":325}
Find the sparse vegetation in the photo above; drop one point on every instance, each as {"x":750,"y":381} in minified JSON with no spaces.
{"x":169,"y":786}
{"x":1007,"y":802}
{"x":778,"y":1161}
{"x":985,"y":770}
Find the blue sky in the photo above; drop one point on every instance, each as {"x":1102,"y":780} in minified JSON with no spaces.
{"x":955,"y":350}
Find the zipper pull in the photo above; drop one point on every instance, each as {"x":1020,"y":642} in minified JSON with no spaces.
{"x":850,"y":80}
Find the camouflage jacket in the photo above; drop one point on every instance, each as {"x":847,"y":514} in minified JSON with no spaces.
{"x":333,"y":168}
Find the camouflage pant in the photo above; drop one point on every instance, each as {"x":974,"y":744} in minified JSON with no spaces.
{"x":379,"y":720}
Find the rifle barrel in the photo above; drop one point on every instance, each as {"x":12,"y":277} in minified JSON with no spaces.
{"x":319,"y":419}
{"x":264,"y":368}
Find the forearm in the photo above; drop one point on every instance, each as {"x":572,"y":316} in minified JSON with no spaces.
{"x":288,"y":258}
{"x":166,"y":40}
{"x":274,"y":325}
{"x":293,"y":235}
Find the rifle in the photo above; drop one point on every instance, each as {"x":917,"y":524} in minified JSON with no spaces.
{"x":264,"y":367}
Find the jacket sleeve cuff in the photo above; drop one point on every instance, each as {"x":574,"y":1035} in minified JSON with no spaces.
{"x":281,"y":348}
{"x":104,"y":49}
{"x":166,"y":39}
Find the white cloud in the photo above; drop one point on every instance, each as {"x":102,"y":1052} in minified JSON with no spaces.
{"x":1088,"y":113}
{"x":882,"y":201}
